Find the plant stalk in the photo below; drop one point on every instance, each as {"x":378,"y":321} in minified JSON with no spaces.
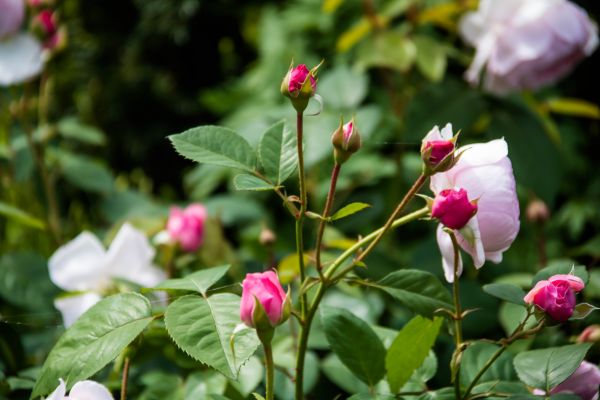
{"x":270,"y":370}
{"x":302,"y":212}
{"x":124,"y":379}
{"x":328,"y":204}
{"x":457,"y":315}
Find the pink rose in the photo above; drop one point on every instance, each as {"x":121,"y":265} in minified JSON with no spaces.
{"x":186,"y":226}
{"x":265,"y":288}
{"x":526,"y":44}
{"x":485,"y":173}
{"x":12,"y":13}
{"x":556,"y":296}
{"x":583,"y":383}
{"x":298,"y":76}
{"x":346,"y":141}
{"x":453,"y":208}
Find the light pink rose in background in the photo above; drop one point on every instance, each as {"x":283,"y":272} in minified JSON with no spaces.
{"x":83,"y":390}
{"x":12,"y":13}
{"x":589,"y":334}
{"x":583,"y":382}
{"x":556,"y":296}
{"x":85,"y":267}
{"x":298,"y":76}
{"x":186,"y":226}
{"x":440,"y":144}
{"x":453,"y":208}
{"x":485,"y":172}
{"x":526,"y":44}
{"x":265,"y":287}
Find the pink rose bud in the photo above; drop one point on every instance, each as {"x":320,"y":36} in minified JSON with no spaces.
{"x":556,"y":296}
{"x":537,"y":211}
{"x":45,"y":25}
{"x":12,"y":13}
{"x":186,"y":227}
{"x":346,"y":141}
{"x":265,"y":291}
{"x":299,"y":84}
{"x":590,"y":334}
{"x":437,"y":150}
{"x":583,"y":382}
{"x":453,"y":208}
{"x":526,"y":44}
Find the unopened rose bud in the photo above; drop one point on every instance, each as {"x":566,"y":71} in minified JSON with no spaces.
{"x":453,"y":208}
{"x":264,"y":304}
{"x":556,"y":296}
{"x":437,"y":150}
{"x":300,"y":84}
{"x":12,"y":13}
{"x":267,"y":237}
{"x":346,"y":141}
{"x":590,"y":334}
{"x":186,"y":227}
{"x":45,"y":26}
{"x":537,"y":211}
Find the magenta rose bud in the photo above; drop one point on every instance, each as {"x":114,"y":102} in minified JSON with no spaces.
{"x":12,"y":13}
{"x":437,"y":150}
{"x":583,"y":382}
{"x":453,"y":208}
{"x":186,"y":226}
{"x":265,"y":291}
{"x":298,"y":76}
{"x":556,"y":296}
{"x":299,"y":84}
{"x":346,"y":141}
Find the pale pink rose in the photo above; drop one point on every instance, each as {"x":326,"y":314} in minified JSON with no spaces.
{"x":12,"y":13}
{"x":186,"y":227}
{"x":453,"y":208}
{"x":83,"y":390}
{"x":526,"y":44}
{"x":266,"y":288}
{"x":298,"y":76}
{"x":485,"y":172}
{"x":556,"y":296}
{"x":583,"y":382}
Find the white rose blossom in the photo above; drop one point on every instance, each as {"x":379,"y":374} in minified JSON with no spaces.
{"x":83,"y":390}
{"x":85,"y":267}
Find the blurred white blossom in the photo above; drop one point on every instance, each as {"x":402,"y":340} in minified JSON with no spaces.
{"x":84,"y":390}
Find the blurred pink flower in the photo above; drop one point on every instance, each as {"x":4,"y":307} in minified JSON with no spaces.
{"x":453,"y":208}
{"x":485,"y":172}
{"x":83,"y":390}
{"x":526,"y":44}
{"x":85,"y":267}
{"x":583,"y":382}
{"x":556,"y":296}
{"x":186,"y":226}
{"x":589,"y":334}
{"x":264,"y":287}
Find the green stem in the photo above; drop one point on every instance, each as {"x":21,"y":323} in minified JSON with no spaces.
{"x":457,"y":315}
{"x":328,"y":204}
{"x":485,"y":367}
{"x":302,"y":212}
{"x":407,"y":197}
{"x":270,"y":370}
{"x":305,"y":329}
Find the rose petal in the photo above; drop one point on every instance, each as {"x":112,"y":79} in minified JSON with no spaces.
{"x":89,"y":390}
{"x":20,"y":59}
{"x":447,"y":249}
{"x":72,"y":307}
{"x":59,"y":392}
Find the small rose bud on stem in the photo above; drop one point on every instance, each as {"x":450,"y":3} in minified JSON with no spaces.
{"x":299,"y":85}
{"x":346,"y":141}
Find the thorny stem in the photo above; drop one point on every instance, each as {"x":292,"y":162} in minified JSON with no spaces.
{"x":304,"y":332}
{"x":124,"y":379}
{"x":457,"y":314}
{"x":407,"y":197}
{"x":328,"y":204}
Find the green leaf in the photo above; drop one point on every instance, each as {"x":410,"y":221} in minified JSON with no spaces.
{"x":72,"y":128}
{"x":546,"y":368}
{"x":344,"y":88}
{"x":431,"y":57}
{"x":409,"y":349}
{"x":339,"y":374}
{"x":349,"y":209}
{"x":418,"y":290}
{"x":440,"y":394}
{"x":258,"y":396}
{"x":251,"y":182}
{"x":215,"y":145}
{"x":202,"y":383}
{"x":94,"y":340}
{"x":389,"y":49}
{"x":506,"y":292}
{"x":18,"y":287}
{"x":199,"y":281}
{"x":582,"y":310}
{"x":86,"y":173}
{"x":561,"y":267}
{"x":278,"y":153}
{"x":344,"y":331}
{"x":475,"y":357}
{"x":369,"y":396}
{"x":250,"y":376}
{"x":204,"y":329}
{"x":14,"y":213}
